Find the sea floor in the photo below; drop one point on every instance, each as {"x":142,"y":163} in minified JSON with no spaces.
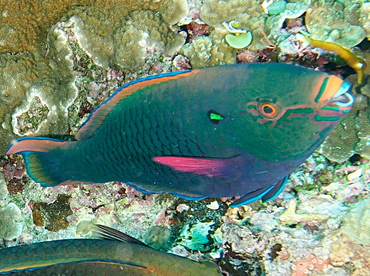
{"x":319,"y":225}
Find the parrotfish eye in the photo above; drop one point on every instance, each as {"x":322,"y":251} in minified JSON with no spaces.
{"x":268,"y":110}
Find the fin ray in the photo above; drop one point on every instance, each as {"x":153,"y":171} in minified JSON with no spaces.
{"x":275,"y":191}
{"x":251,"y":197}
{"x":41,"y":166}
{"x":106,"y":233}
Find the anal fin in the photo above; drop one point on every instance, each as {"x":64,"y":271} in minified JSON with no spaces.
{"x":266,"y":194}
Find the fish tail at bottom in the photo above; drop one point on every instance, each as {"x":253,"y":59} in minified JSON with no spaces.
{"x":43,"y":158}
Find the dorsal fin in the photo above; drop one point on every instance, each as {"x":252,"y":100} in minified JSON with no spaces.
{"x":100,"y":113}
{"x":106,"y":233}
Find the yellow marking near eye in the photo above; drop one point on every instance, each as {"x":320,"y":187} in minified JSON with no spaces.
{"x":357,"y":63}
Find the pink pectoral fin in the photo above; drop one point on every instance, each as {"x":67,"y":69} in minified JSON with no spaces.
{"x":202,"y":166}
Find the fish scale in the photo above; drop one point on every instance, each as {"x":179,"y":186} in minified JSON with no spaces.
{"x":235,"y":130}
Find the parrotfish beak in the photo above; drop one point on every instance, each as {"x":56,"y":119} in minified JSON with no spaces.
{"x":343,"y":99}
{"x":333,"y":95}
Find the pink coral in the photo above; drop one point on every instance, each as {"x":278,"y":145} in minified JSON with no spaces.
{"x":303,"y":267}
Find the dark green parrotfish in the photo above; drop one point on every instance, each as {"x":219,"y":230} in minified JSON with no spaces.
{"x":235,"y":130}
{"x":113,"y":254}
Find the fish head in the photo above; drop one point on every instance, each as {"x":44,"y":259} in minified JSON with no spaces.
{"x":291,"y":112}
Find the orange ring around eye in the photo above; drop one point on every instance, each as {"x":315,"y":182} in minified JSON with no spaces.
{"x":268,"y":110}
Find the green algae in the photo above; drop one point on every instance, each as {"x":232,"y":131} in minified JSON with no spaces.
{"x":239,"y":41}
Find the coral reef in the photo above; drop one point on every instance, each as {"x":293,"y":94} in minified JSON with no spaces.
{"x":356,"y":224}
{"x":351,"y":135}
{"x":11,"y":222}
{"x":53,"y":215}
{"x":345,"y":252}
{"x":42,"y":55}
{"x":345,"y":22}
{"x":291,"y":217}
{"x":205,"y":51}
{"x":55,"y":68}
{"x":303,"y":267}
{"x":159,"y":237}
{"x":196,"y":237}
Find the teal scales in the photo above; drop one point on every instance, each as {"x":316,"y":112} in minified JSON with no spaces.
{"x":234,"y":130}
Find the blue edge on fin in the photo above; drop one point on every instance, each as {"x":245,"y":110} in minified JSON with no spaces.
{"x":266,"y":194}
{"x":176,"y":194}
{"x":131,"y":83}
{"x":26,"y":154}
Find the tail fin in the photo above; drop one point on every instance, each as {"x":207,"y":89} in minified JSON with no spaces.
{"x":42,"y":162}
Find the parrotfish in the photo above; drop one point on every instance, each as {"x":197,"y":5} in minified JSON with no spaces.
{"x":223,"y":131}
{"x":114,"y":254}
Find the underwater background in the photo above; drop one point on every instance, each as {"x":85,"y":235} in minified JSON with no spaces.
{"x":60,"y":59}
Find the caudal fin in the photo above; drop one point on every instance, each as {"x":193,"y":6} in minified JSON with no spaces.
{"x":42,"y":162}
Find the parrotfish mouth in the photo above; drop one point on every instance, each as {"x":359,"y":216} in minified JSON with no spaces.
{"x":343,"y":99}
{"x":333,"y":99}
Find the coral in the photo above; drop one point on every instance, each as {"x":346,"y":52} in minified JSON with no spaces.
{"x":356,"y":224}
{"x":159,"y":237}
{"x":291,"y":217}
{"x":346,"y":252}
{"x":209,"y":51}
{"x":28,"y":22}
{"x":351,"y":135}
{"x":148,"y":30}
{"x":39,"y":55}
{"x":14,"y":171}
{"x":339,"y":21}
{"x":126,"y":41}
{"x":11,"y":222}
{"x":27,"y":123}
{"x":196,"y":237}
{"x":242,"y":240}
{"x":54,"y":215}
{"x":303,"y":267}
{"x":16,"y":74}
{"x":252,"y":16}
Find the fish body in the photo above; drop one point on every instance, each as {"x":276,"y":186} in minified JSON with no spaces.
{"x":235,"y":130}
{"x":97,"y":257}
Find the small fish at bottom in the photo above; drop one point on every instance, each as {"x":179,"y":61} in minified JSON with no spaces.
{"x":114,"y":253}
